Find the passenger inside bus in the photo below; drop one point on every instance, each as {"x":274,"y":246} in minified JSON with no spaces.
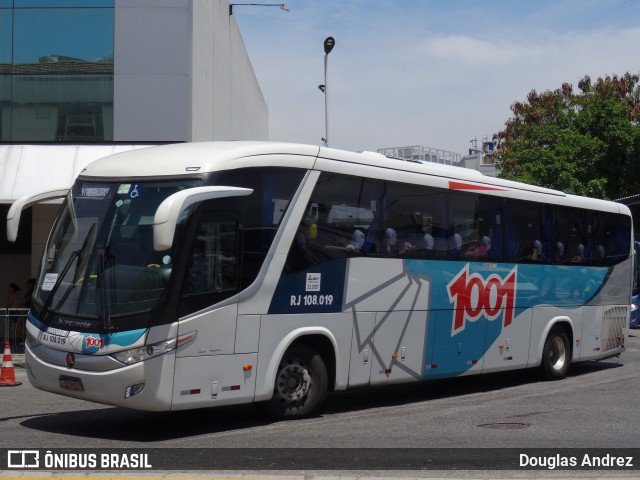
{"x":535,"y":252}
{"x":559,"y":252}
{"x":390,"y":242}
{"x":427,"y":245}
{"x":574,"y":247}
{"x":353,"y":247}
{"x":480,"y":250}
{"x":197,"y":270}
{"x":576,"y":253}
{"x":580,"y":257}
{"x":456,"y":248}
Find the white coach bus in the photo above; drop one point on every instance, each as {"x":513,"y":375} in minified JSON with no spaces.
{"x":203,"y":274}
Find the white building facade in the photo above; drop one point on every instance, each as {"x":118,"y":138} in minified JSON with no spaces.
{"x":482,"y":160}
{"x":81,"y":79}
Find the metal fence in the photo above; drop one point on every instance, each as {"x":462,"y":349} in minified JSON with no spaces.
{"x":423,"y":154}
{"x":12,"y":322}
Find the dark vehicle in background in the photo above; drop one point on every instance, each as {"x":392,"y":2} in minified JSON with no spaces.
{"x":635,"y":295}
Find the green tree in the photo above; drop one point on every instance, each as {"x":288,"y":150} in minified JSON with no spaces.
{"x":586,"y":143}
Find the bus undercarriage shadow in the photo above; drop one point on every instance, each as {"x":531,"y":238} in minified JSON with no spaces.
{"x":394,"y":395}
{"x":123,"y":425}
{"x":134,"y":426}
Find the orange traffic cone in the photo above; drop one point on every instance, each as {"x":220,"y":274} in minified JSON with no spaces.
{"x":7,"y":375}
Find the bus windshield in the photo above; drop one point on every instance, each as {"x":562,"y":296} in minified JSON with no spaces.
{"x":99,"y":260}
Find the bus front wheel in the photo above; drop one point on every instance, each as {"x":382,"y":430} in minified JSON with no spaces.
{"x":556,"y":355}
{"x":300,"y":384}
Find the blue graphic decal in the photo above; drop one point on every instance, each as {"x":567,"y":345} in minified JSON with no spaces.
{"x":468,"y":305}
{"x":91,"y":343}
{"x":472,"y":303}
{"x":561,"y":286}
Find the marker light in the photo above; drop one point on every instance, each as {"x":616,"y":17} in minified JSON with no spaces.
{"x":140,"y":354}
{"x":132,"y":390}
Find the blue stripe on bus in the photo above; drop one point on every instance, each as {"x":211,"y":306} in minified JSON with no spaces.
{"x":96,"y":341}
{"x":557,"y":285}
{"x":448,"y":351}
{"x":469,"y":304}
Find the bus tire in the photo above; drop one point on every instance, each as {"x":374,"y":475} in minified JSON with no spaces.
{"x":556,"y":355}
{"x":300,"y":385}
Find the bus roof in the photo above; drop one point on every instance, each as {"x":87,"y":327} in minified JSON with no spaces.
{"x":202,"y":157}
{"x":182,"y":158}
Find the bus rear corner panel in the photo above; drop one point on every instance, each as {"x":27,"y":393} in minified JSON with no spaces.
{"x":603,"y":332}
{"x":614,"y":327}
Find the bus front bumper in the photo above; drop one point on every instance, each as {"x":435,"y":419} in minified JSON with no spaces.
{"x":139,"y":386}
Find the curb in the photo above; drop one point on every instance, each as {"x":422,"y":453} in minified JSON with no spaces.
{"x":18,"y":360}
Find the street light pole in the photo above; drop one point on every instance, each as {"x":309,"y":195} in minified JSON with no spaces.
{"x":329,"y":43}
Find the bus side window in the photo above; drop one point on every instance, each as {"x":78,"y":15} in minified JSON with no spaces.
{"x":212,"y":265}
{"x":575,"y":247}
{"x":478,"y":219}
{"x":569,"y":242}
{"x":341,"y":208}
{"x":618,"y":238}
{"x":525,"y":232}
{"x":419,"y":216}
{"x":197,"y":269}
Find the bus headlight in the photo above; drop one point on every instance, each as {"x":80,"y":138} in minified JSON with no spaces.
{"x":140,"y":354}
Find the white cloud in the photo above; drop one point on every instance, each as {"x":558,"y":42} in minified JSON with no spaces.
{"x":471,"y":50}
{"x":426,"y":74}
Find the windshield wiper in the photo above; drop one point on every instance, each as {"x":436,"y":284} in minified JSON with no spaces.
{"x":76,"y":254}
{"x":80,"y":265}
{"x":103,"y":258}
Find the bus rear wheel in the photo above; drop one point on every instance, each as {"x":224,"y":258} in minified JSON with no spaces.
{"x":556,"y":355}
{"x":300,"y":385}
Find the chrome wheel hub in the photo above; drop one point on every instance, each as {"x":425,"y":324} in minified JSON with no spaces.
{"x":294,"y":382}
{"x":557,"y":353}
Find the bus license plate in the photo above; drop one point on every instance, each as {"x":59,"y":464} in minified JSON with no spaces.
{"x":70,"y":383}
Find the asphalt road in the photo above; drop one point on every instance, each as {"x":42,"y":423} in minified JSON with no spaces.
{"x":595,"y":407}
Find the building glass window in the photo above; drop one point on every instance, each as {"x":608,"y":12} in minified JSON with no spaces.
{"x":60,"y":3}
{"x":56,"y":71}
{"x":6,"y":29}
{"x":6,"y":26}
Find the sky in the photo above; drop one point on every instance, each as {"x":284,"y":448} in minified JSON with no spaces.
{"x":436,"y":73}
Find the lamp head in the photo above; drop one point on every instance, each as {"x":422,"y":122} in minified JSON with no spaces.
{"x":329,"y":43}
